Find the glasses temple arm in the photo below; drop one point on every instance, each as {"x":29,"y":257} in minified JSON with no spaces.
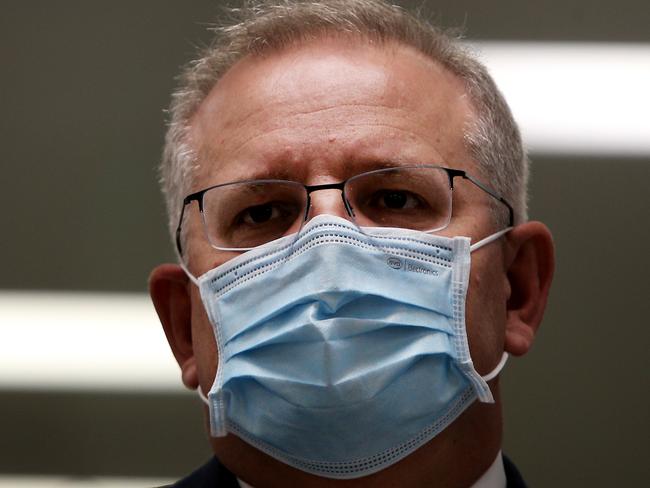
{"x":493,"y":194}
{"x":188,"y":199}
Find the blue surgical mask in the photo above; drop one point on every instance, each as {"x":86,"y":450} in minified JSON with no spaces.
{"x":342,"y":350}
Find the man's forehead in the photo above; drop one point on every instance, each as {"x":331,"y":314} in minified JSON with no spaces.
{"x":326,"y":89}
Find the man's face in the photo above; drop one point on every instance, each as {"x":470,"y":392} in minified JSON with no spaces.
{"x":326,"y":111}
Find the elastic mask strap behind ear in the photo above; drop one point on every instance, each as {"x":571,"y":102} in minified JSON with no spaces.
{"x":495,"y":372}
{"x":187,"y":272}
{"x":488,"y":239}
{"x":202,"y":396}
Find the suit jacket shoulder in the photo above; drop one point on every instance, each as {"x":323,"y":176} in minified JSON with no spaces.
{"x":211,"y":475}
{"x":513,"y":477}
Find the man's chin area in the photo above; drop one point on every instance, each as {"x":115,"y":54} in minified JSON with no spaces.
{"x":435,"y":460}
{"x":239,"y":457}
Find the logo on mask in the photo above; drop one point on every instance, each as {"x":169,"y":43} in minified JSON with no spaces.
{"x":421,"y":269}
{"x":394,"y":263}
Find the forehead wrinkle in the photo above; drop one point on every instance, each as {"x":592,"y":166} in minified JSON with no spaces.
{"x":283,"y":148}
{"x":357,"y":156}
{"x":445,"y":121}
{"x":209,"y":151}
{"x":357,"y":149}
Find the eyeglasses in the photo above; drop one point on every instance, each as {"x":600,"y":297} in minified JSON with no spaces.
{"x":242,"y":215}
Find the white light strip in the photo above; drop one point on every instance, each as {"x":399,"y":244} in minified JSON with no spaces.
{"x":53,"y":341}
{"x":575,"y":98}
{"x":18,"y":481}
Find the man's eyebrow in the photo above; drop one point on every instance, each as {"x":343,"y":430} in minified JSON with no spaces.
{"x":363,"y":165}
{"x":347,"y":169}
{"x":280,"y":169}
{"x":371,"y":164}
{"x":256,"y":171}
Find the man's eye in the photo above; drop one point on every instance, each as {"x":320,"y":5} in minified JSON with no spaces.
{"x":395,"y":200}
{"x":260,"y":214}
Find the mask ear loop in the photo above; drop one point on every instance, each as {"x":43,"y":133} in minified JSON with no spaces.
{"x":191,"y":277}
{"x":489,"y":239}
{"x":495,"y":372}
{"x":484,"y":242}
{"x":203,"y":398}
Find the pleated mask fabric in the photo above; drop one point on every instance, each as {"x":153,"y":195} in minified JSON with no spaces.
{"x":342,"y":350}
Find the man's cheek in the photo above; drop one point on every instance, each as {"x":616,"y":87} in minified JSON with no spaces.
{"x":205,"y":348}
{"x":485,"y":317}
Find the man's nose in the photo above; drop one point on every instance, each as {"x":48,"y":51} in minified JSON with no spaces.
{"x":327,"y":201}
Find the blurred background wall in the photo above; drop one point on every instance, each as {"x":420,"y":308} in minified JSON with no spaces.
{"x":82,"y":91}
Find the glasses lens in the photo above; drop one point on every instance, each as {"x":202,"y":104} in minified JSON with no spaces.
{"x":416,"y":198}
{"x":249,"y":214}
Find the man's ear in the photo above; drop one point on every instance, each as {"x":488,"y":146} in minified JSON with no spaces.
{"x":530,"y":260}
{"x":169,"y":290}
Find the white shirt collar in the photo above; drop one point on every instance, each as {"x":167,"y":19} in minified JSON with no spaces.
{"x":243,"y":484}
{"x":494,"y":477}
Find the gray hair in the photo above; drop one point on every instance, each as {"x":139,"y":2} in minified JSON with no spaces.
{"x":492,"y":138}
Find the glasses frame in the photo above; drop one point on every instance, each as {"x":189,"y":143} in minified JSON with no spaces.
{"x":451,"y":174}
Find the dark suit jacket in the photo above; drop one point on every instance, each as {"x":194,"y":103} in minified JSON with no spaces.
{"x":214,"y":475}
